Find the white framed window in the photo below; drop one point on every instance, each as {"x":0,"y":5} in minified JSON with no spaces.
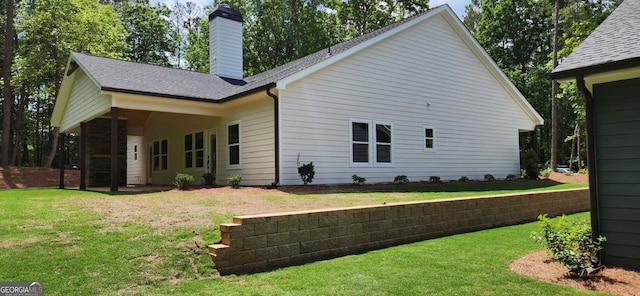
{"x":233,"y":143}
{"x":160,"y":155}
{"x":383,"y":151}
{"x":371,"y":142}
{"x":360,"y":139}
{"x":429,"y":139}
{"x":194,"y":150}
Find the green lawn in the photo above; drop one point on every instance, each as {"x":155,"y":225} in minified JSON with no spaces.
{"x":46,"y":236}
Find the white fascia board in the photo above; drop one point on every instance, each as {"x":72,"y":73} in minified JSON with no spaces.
{"x":282,"y":83}
{"x":491,"y":65}
{"x":159,"y":104}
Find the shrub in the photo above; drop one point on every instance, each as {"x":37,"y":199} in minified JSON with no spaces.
{"x":568,"y":173}
{"x":307,"y":172}
{"x":463,"y":179}
{"x":434,"y":179}
{"x":489,"y":177}
{"x":570,"y":243}
{"x":523,"y":173}
{"x":358,"y":180}
{"x":182,"y":181}
{"x":511,"y":177}
{"x":531,"y":164}
{"x":545,"y":173}
{"x":583,"y":171}
{"x":400,"y":179}
{"x":208,"y":179}
{"x":234,"y":180}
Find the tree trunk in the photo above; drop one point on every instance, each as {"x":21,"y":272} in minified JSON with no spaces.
{"x":57,"y":76}
{"x":578,"y":145}
{"x":19,"y":120}
{"x":554,"y":92}
{"x":6,"y":75}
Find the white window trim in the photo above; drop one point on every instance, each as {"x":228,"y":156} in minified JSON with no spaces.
{"x":371,"y":142}
{"x":351,"y":142}
{"x":239,"y":144}
{"x":375,"y":143}
{"x":160,"y":162}
{"x":424,"y":138}
{"x":194,"y":150}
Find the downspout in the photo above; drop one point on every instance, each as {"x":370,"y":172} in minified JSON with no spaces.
{"x":591,"y":158}
{"x":276,"y":126}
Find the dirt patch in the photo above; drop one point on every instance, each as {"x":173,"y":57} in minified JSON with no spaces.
{"x":573,"y":178}
{"x":26,"y":177}
{"x":614,"y":280}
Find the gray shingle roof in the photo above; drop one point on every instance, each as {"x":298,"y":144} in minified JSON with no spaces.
{"x":140,"y":78}
{"x":613,"y":45}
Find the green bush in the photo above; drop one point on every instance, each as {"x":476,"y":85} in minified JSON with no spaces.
{"x":531,"y":164}
{"x":434,"y":179}
{"x":489,"y":177}
{"x":568,"y":173}
{"x":208,"y":179}
{"x":545,"y":173}
{"x":511,"y":177}
{"x":583,"y":171}
{"x":234,"y":180}
{"x":307,"y":172}
{"x":569,"y":242}
{"x":358,"y":180}
{"x":182,"y":181}
{"x":463,"y":179}
{"x":400,"y":179}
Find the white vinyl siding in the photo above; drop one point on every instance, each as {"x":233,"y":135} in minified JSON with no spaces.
{"x":423,"y":76}
{"x":85,"y":102}
{"x":226,"y":48}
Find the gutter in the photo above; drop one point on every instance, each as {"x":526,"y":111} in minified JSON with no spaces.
{"x":591,"y":158}
{"x":276,"y":126}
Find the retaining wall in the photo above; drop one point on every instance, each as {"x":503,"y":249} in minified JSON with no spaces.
{"x":262,"y":242}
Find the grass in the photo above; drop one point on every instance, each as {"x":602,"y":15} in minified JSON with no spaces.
{"x":46,"y":236}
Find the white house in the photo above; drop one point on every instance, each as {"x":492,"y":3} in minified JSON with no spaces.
{"x":418,"y":98}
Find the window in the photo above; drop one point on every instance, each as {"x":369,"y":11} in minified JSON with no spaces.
{"x":135,"y":152}
{"x":383,"y":143}
{"x":429,"y":139}
{"x":194,"y":150}
{"x":371,"y":142}
{"x":360,"y":142}
{"x":233,"y":141}
{"x":160,"y":155}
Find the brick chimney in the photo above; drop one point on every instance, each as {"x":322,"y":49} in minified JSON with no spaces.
{"x":225,"y":42}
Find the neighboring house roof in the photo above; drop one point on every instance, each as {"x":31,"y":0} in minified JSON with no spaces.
{"x":614,"y":45}
{"x":144,"y":79}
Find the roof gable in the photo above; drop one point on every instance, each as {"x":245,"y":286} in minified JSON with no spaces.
{"x":614,"y":44}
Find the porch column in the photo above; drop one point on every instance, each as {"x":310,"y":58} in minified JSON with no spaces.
{"x":114,"y":149}
{"x":82,"y":155}
{"x":61,"y":154}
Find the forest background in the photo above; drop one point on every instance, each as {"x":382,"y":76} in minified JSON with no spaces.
{"x":526,"y":38}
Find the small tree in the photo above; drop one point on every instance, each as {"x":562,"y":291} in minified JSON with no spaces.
{"x":182,"y":181}
{"x":571,"y":243}
{"x":307,"y":172}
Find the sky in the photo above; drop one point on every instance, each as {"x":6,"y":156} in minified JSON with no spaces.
{"x":456,"y":5}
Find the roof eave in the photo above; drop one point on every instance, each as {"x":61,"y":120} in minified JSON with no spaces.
{"x":594,"y":69}
{"x":161,"y":95}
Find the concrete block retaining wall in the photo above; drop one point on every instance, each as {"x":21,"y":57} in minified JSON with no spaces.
{"x":262,"y":242}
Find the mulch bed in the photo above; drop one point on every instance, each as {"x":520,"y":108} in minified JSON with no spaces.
{"x":614,"y":280}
